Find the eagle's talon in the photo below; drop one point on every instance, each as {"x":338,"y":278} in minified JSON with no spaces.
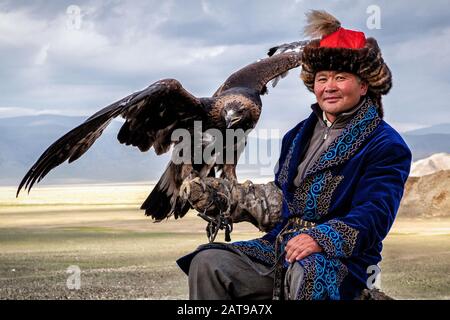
{"x":203,"y":185}
{"x":199,"y":182}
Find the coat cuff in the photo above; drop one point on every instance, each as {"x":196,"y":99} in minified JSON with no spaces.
{"x":336,"y":238}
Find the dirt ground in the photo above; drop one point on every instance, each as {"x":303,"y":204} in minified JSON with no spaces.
{"x":123,"y":255}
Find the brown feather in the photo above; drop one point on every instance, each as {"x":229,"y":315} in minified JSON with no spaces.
{"x":258,"y":74}
{"x":320,"y":23}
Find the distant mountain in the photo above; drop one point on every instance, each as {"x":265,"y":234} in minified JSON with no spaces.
{"x":427,"y":196}
{"x":443,"y":128}
{"x":423,"y":146}
{"x":435,"y":163}
{"x":428,"y":141}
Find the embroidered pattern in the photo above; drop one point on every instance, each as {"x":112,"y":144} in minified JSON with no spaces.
{"x":327,"y":193}
{"x":322,"y":278}
{"x":335,"y":237}
{"x":312,"y":199}
{"x":312,"y":196}
{"x":259,"y":249}
{"x":340,"y":150}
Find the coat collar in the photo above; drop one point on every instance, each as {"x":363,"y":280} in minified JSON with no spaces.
{"x":364,"y":122}
{"x":341,"y":120}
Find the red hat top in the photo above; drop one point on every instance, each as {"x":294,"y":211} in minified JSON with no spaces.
{"x":344,"y":38}
{"x":323,"y":25}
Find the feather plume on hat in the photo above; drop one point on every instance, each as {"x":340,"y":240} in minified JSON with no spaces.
{"x":320,"y":23}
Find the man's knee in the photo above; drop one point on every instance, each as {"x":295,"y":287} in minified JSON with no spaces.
{"x":207,"y":260}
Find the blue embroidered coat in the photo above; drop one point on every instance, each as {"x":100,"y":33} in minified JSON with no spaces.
{"x":352,"y":192}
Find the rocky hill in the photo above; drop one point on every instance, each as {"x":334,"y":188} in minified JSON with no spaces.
{"x":432,"y":164}
{"x":427,"y":196}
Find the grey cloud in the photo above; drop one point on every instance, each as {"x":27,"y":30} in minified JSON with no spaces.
{"x":126,"y":45}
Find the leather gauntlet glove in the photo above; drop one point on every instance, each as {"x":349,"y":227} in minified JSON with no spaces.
{"x":259,"y":204}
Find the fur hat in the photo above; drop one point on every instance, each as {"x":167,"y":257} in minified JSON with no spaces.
{"x":343,"y":50}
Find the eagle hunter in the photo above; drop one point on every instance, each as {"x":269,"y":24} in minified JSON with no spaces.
{"x":152,"y":115}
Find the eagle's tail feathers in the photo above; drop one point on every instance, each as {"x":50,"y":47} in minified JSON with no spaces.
{"x":160,"y":203}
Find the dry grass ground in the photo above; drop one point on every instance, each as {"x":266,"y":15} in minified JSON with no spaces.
{"x":123,"y":255}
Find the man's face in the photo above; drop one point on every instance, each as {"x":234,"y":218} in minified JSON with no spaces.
{"x":337,"y":92}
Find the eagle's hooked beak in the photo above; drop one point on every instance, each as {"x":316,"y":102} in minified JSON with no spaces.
{"x":231,"y":121}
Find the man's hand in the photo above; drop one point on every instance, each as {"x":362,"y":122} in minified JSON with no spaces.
{"x":300,"y":247}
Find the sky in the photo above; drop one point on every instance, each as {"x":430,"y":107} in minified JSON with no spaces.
{"x":75,"y":57}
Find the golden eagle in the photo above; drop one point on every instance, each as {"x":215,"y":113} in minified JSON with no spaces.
{"x":153,"y":114}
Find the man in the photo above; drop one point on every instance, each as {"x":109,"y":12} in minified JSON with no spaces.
{"x":341,"y":174}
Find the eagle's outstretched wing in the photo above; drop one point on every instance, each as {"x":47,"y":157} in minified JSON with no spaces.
{"x":258,"y":74}
{"x":296,"y":47}
{"x":151,"y":116}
